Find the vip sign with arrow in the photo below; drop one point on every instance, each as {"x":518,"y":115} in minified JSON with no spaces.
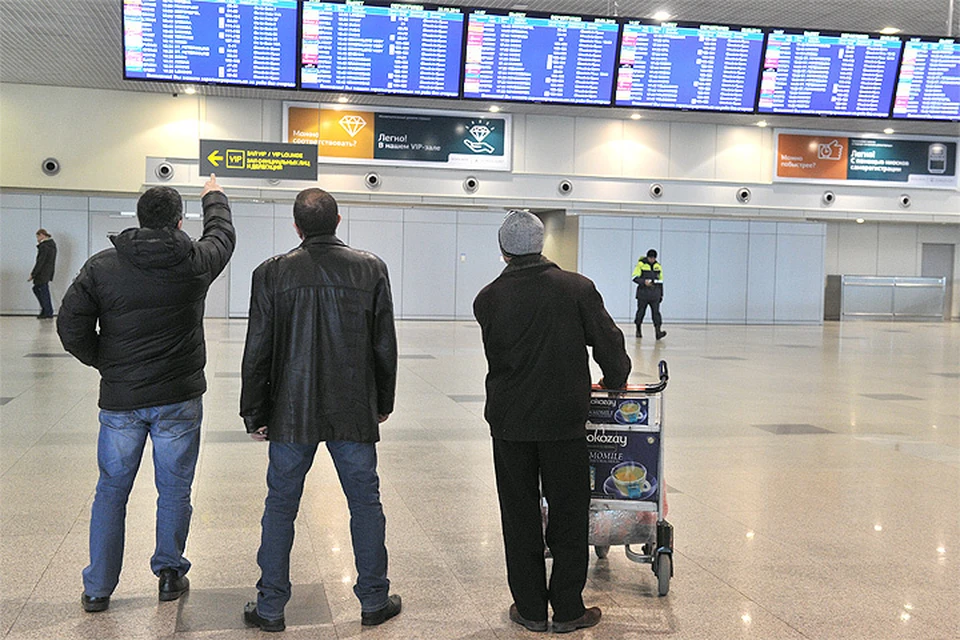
{"x":270,"y":160}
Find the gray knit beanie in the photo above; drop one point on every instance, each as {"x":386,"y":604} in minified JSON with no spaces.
{"x":521,"y":234}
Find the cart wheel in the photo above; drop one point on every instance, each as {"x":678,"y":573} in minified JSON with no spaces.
{"x":602,"y":550}
{"x":664,"y":569}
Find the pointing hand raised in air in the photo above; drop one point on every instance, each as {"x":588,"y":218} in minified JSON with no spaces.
{"x":211,"y":185}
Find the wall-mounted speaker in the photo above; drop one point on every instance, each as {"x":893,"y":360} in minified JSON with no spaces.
{"x":743,"y":195}
{"x":471,"y":184}
{"x":656,"y":190}
{"x":565,"y":187}
{"x":372,"y":180}
{"x":164,"y":171}
{"x":50,"y":166}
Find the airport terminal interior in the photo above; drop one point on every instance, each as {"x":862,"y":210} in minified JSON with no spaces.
{"x":810,"y":426}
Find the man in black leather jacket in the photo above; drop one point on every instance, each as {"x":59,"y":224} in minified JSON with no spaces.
{"x":135,"y":313}
{"x":320,"y":365}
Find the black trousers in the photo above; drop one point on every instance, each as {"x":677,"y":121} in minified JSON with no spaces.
{"x":654,"y":311}
{"x":562,"y":468}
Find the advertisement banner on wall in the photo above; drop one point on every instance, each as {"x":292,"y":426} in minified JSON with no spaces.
{"x":400,"y":137}
{"x":831,"y":158}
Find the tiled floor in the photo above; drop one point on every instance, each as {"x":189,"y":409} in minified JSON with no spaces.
{"x":817,"y":495}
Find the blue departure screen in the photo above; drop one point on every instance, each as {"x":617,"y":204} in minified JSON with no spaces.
{"x":813,"y":73}
{"x":928,"y":86}
{"x":688,"y":67}
{"x":398,"y":49}
{"x":247,"y":42}
{"x":532,"y":58}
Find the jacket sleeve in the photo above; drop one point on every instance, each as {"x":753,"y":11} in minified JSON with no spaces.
{"x":219,"y":237}
{"x":384,"y":346}
{"x":606,"y":339}
{"x":77,"y":319}
{"x":44,"y":264}
{"x":257,"y":367}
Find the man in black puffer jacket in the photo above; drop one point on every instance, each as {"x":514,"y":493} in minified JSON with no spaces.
{"x":147,"y":296}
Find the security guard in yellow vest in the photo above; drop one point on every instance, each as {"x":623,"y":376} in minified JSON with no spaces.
{"x":648,"y":274}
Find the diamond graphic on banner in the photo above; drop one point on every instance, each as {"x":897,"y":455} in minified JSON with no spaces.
{"x":479,"y":132}
{"x":353,"y":124}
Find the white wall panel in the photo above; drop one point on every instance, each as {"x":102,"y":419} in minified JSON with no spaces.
{"x":285,"y":236}
{"x":646,"y":149}
{"x":103,"y":225}
{"x":231,"y":119}
{"x":800,"y":281}
{"x":519,"y":124}
{"x":605,"y":258}
{"x":684,"y":256}
{"x":429,"y":269}
{"x":478,"y":263}
{"x":18,"y":249}
{"x":761,"y":276}
{"x":549,"y":144}
{"x":739,"y":156}
{"x":727,"y":284}
{"x":858,"y":249}
{"x":898,"y":252}
{"x":693,"y":148}
{"x":832,"y":254}
{"x":254,"y":245}
{"x":598,"y":147}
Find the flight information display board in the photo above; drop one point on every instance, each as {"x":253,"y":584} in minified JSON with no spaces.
{"x":928,"y":86}
{"x":828,"y":74}
{"x":369,"y":48}
{"x":540,"y":58}
{"x":244,"y":42}
{"x":685,"y":66}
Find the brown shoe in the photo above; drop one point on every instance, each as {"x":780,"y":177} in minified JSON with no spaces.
{"x":530,"y":625}
{"x":590,"y":618}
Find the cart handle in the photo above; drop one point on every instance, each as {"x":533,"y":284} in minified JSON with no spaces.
{"x":656,"y":387}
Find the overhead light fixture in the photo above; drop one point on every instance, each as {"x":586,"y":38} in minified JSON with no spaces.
{"x":662,"y":16}
{"x":861,"y":221}
{"x":762,"y":124}
{"x":494,"y":109}
{"x":888,"y":131}
{"x":889,"y":31}
{"x":342,"y":99}
{"x":635,"y":116}
{"x":190,"y":91}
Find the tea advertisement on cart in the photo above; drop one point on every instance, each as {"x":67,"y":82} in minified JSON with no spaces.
{"x":623,"y":464}
{"x":615,"y":410}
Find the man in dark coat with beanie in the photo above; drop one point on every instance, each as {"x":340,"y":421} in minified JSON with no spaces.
{"x":537,"y":322}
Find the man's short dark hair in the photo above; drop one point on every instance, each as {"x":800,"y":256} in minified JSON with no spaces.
{"x":652,"y":253}
{"x":315,"y":212}
{"x":159,"y":208}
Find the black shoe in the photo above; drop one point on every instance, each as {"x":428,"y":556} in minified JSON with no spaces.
{"x":529,"y":625}
{"x":661,"y":334}
{"x":94,"y":605}
{"x":590,"y":618}
{"x":172,"y":585}
{"x":639,"y":335}
{"x":373,"y":618}
{"x":254,"y":619}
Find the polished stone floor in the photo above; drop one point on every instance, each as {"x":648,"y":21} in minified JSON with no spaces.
{"x":814,"y":475}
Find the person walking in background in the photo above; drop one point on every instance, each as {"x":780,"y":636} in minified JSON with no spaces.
{"x":42,"y":273}
{"x":537,"y":322}
{"x":135,"y":313}
{"x":320,"y":365}
{"x":648,"y":276}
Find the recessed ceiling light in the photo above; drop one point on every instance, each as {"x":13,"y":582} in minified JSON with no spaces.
{"x":889,"y":31}
{"x":190,"y":91}
{"x":762,"y":124}
{"x":635,"y":116}
{"x":861,"y":221}
{"x":494,"y":109}
{"x":888,"y":131}
{"x":661,"y":16}
{"x":342,"y":99}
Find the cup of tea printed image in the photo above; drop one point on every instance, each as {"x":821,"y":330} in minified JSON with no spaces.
{"x":630,"y":478}
{"x":630,"y":411}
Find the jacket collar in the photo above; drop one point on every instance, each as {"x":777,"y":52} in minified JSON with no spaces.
{"x":321,"y":239}
{"x":520,"y":263}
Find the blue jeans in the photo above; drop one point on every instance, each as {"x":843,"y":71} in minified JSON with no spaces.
{"x":175,"y":431}
{"x":356,"y":464}
{"x":42,"y":292}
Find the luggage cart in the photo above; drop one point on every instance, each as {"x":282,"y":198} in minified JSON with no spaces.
{"x":628,"y":494}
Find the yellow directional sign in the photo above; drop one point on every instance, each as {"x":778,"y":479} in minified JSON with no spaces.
{"x":272,"y":160}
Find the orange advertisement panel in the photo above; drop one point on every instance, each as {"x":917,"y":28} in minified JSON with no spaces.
{"x":812,"y":157}
{"x":303,"y":125}
{"x":346,"y":134}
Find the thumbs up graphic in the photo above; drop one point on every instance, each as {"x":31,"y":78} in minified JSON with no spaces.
{"x":832,"y":150}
